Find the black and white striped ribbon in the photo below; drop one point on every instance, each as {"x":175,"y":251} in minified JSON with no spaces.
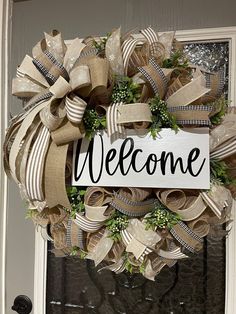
{"x":150,"y":35}
{"x":154,"y":84}
{"x":188,"y":233}
{"x":75,"y":108}
{"x":132,"y":208}
{"x":127,"y":48}
{"x":225,"y":151}
{"x":87,"y":225}
{"x":112,"y":114}
{"x":35,"y":165}
{"x":42,"y":67}
{"x":80,"y":235}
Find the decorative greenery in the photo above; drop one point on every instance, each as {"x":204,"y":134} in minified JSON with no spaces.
{"x":125,"y":90}
{"x":116,"y":224}
{"x":219,"y":172}
{"x":76,"y":251}
{"x":76,"y":198}
{"x":30,"y":213}
{"x":220,"y":106}
{"x":100,"y":45}
{"x":161,"y":117}
{"x":176,"y":60}
{"x":142,"y":267}
{"x":161,"y":217}
{"x":93,"y":122}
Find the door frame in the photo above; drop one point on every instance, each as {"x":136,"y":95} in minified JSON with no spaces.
{"x":5,"y":40}
{"x":40,"y":267}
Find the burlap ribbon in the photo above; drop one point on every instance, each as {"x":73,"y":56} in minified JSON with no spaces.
{"x":154,"y":75}
{"x":187,"y":237}
{"x":188,"y":207}
{"x":74,"y":235}
{"x":188,"y":93}
{"x":191,"y":115}
{"x":132,"y":201}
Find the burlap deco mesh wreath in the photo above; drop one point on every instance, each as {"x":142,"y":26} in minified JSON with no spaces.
{"x":114,"y":83}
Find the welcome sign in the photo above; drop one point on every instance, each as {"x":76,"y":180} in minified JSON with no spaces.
{"x":173,"y":160}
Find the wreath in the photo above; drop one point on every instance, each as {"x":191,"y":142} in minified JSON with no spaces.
{"x":114,"y":83}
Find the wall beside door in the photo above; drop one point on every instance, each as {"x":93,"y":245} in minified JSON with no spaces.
{"x":81,"y":18}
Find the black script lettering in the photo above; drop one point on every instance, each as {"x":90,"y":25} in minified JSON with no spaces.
{"x":122,"y":157}
{"x":173,"y":163}
{"x":110,"y":156}
{"x":193,"y":155}
{"x":90,"y":154}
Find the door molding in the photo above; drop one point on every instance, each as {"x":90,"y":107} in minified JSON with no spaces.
{"x":5,"y":38}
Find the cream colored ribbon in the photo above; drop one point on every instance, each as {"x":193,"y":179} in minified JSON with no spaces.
{"x":134,"y":113}
{"x":189,"y":92}
{"x":187,"y":207}
{"x":101,"y":249}
{"x":114,"y":54}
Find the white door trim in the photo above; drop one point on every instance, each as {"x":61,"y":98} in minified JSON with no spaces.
{"x":5,"y":36}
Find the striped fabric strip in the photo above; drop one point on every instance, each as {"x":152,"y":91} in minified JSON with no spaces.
{"x":45,"y":234}
{"x":45,"y":63}
{"x":211,"y":204}
{"x":127,"y":49}
{"x":158,"y":80}
{"x":149,"y":79}
{"x":218,"y":89}
{"x":190,"y":108}
{"x":132,"y":208}
{"x":187,"y":232}
{"x":158,"y":69}
{"x":150,"y":35}
{"x":35,"y":166}
{"x":113,"y":128}
{"x":88,"y":52}
{"x":68,"y":233}
{"x":174,"y":254}
{"x":194,"y":122}
{"x":86,"y":224}
{"x":192,"y":111}
{"x":37,"y":99}
{"x":75,"y":108}
{"x":225,"y":151}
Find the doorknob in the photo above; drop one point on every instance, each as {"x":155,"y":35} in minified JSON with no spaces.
{"x":22,"y":305}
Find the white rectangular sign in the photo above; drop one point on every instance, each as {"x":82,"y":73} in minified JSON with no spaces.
{"x":173,"y":160}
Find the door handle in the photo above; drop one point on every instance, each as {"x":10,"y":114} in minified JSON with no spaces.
{"x":22,"y":305}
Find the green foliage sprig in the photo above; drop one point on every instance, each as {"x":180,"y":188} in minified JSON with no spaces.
{"x":161,"y":217}
{"x":116,"y":224}
{"x":76,"y":251}
{"x":76,"y":198}
{"x":101,"y":44}
{"x":161,"y":117}
{"x":30,"y":213}
{"x":220,"y":107}
{"x":125,"y":90}
{"x":93,"y":122}
{"x":176,"y":60}
{"x":220,"y":172}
